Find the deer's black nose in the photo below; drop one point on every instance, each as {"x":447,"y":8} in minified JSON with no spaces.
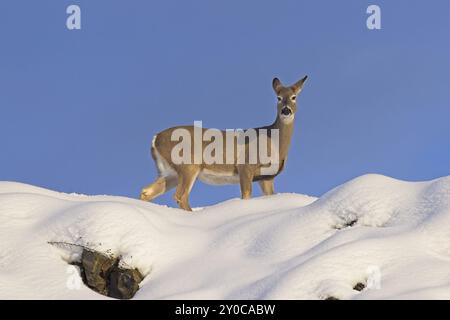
{"x":286,"y":111}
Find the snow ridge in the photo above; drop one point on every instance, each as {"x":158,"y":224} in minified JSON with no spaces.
{"x":391,"y":235}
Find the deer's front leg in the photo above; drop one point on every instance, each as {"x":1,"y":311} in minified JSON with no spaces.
{"x":267,"y":186}
{"x":245,"y":180}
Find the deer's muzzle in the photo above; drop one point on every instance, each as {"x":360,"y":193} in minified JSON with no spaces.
{"x":286,"y":111}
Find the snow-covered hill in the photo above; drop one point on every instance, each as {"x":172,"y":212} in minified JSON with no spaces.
{"x":392,"y":236}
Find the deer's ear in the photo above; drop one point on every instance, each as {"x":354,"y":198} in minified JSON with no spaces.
{"x":276,"y":84}
{"x":299,"y":84}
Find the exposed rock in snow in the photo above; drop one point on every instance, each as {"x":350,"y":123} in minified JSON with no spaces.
{"x":388,"y":238}
{"x":102,"y":273}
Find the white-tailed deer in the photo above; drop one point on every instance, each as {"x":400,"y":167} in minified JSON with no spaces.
{"x":233,"y":161}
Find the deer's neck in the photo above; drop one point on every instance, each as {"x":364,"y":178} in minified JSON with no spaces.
{"x":285,"y":134}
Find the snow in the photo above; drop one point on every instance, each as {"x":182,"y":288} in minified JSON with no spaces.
{"x":393,"y":236}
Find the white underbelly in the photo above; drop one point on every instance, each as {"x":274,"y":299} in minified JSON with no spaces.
{"x":218,"y":178}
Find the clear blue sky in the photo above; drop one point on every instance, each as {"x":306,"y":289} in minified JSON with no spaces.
{"x":79,"y":108}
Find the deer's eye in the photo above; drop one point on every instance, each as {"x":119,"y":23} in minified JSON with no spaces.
{"x":293,"y":98}
{"x":279,"y":99}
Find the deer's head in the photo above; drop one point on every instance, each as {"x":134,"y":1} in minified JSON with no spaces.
{"x":287,"y":98}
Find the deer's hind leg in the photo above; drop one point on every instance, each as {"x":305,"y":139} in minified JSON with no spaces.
{"x":159,"y":187}
{"x":186,"y":179}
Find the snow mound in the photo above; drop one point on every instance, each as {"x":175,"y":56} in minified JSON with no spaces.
{"x":391,"y":236}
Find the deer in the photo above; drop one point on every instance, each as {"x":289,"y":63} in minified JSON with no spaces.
{"x":173,"y":174}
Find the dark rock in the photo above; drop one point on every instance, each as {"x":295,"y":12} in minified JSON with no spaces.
{"x":331,"y":298}
{"x":124,"y":283}
{"x":351,"y":223}
{"x":102,"y":273}
{"x":95,"y":270}
{"x":347,"y":224}
{"x":359,"y":286}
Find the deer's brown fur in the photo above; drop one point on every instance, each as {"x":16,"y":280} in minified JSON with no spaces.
{"x":183,"y":176}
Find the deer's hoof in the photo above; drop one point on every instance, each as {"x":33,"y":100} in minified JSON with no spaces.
{"x":144,"y":196}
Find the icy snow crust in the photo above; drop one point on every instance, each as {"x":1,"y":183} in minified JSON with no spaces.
{"x":286,"y":246}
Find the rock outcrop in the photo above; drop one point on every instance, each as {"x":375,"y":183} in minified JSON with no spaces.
{"x":103,"y":274}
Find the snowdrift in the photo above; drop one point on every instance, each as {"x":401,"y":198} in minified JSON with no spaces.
{"x":389,"y":235}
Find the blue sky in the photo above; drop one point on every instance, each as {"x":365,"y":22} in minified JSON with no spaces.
{"x":79,"y":108}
